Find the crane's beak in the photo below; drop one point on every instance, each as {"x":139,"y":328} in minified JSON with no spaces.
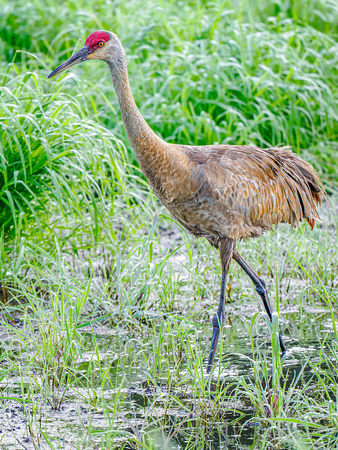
{"x":80,"y":56}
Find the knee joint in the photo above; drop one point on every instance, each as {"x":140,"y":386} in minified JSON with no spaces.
{"x":260,"y":288}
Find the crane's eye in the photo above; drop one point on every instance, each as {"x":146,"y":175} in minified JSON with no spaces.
{"x":100,"y":44}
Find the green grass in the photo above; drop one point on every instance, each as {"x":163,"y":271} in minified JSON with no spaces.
{"x":111,"y":299}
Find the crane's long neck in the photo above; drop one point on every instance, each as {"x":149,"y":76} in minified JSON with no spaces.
{"x":166,"y":166}
{"x":148,"y":147}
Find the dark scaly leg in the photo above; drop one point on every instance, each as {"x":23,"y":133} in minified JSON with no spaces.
{"x":260,"y":287}
{"x":216,"y":321}
{"x":226,"y":248}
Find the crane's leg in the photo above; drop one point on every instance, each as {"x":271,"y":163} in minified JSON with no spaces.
{"x":260,"y":287}
{"x":226,"y":248}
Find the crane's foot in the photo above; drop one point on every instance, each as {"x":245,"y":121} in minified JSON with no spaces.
{"x":216,"y":323}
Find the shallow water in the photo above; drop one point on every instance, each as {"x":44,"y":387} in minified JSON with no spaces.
{"x":140,"y":403}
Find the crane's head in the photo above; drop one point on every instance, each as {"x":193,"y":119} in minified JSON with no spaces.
{"x":99,"y":45}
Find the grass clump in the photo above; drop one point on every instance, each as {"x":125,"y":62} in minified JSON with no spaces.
{"x":58,"y":168}
{"x":39,"y":137}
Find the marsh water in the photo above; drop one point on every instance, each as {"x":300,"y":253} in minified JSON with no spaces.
{"x":306,"y":332}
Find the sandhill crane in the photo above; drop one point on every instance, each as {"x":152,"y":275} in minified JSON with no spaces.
{"x":221,"y":192}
